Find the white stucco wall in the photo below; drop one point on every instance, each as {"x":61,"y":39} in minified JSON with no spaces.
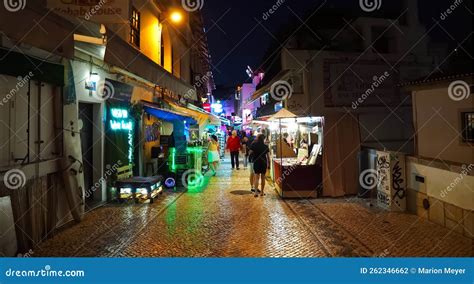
{"x":450,"y":187}
{"x":438,"y":125}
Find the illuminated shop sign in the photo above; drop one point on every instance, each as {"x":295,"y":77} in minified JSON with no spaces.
{"x":206,"y":107}
{"x":217,"y":107}
{"x":121,"y":121}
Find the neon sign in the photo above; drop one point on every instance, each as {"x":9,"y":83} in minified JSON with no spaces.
{"x":120,"y":121}
{"x":206,"y":107}
{"x":217,"y":107}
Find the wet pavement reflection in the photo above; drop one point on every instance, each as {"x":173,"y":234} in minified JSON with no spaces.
{"x":225,"y":220}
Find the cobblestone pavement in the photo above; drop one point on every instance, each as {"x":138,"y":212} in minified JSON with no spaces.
{"x":224,"y":219}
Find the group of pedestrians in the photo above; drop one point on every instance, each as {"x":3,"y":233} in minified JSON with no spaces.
{"x":256,"y":157}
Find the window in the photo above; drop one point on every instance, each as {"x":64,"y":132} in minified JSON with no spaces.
{"x":135,"y":28}
{"x":467,"y":126}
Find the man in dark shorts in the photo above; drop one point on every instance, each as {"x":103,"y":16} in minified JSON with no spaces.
{"x":260,"y":157}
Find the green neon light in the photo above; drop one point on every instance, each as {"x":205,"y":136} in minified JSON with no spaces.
{"x":173,"y":159}
{"x":196,"y":182}
{"x":119,"y":113}
{"x":194,"y":150}
{"x":120,"y":121}
{"x":130,"y":146}
{"x":121,"y":125}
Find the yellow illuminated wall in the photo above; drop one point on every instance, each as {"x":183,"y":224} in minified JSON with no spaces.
{"x":150,"y":35}
{"x":160,"y":38}
{"x":157,"y":39}
{"x":168,"y":54}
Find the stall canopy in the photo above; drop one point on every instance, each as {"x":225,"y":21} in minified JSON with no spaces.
{"x":213,"y":119}
{"x":167,"y":115}
{"x":282,"y":114}
{"x":201,"y":118}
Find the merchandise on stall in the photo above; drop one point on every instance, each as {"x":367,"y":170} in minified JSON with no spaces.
{"x":296,"y":154}
{"x":222,"y":138}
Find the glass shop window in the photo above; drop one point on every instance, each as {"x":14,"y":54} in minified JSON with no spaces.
{"x":135,"y":28}
{"x":467,"y":127}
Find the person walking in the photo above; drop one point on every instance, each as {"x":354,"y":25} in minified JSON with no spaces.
{"x":261,"y":160}
{"x":213,"y":154}
{"x":233,"y":144}
{"x":251,"y":171}
{"x":245,"y":149}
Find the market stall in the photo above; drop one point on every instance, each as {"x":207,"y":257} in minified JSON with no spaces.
{"x":296,"y":151}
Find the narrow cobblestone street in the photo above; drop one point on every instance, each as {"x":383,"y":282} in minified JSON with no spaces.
{"x":225,"y":220}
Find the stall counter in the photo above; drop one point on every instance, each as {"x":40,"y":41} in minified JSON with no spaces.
{"x":297,"y":181}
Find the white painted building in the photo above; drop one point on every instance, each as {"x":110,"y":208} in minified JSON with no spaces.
{"x":440,"y":176}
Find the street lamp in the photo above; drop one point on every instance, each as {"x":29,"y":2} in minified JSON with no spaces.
{"x":176,"y":17}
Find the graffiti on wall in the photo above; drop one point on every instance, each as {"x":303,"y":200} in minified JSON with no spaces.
{"x":398,"y":184}
{"x":383,"y":172}
{"x":391,"y":184}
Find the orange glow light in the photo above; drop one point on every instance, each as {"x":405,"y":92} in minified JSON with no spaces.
{"x":176,"y":17}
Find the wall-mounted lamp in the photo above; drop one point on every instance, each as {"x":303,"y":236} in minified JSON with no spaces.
{"x":91,"y":82}
{"x":175,"y":16}
{"x":94,"y":77}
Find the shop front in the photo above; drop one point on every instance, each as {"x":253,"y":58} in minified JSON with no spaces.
{"x":178,"y":157}
{"x":208,"y":124}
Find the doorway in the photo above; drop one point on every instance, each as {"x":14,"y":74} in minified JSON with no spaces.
{"x":86,"y":115}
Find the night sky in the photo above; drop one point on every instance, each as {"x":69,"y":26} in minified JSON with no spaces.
{"x":237,"y":40}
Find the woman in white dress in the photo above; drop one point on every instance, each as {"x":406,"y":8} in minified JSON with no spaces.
{"x":213,"y":154}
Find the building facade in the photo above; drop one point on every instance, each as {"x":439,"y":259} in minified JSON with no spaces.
{"x":62,"y":92}
{"x":440,"y":176}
